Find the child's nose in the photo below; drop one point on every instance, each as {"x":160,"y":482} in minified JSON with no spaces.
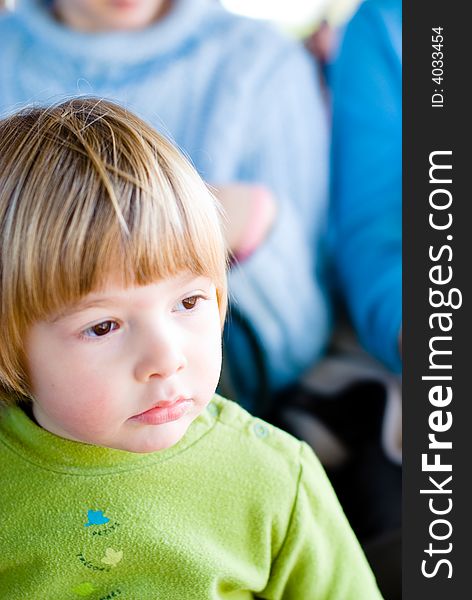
{"x":163,"y":356}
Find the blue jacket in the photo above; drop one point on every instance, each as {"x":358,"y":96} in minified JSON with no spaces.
{"x":367,"y":177}
{"x":244,"y":104}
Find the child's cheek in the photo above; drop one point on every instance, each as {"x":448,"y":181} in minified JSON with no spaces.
{"x":85,"y":408}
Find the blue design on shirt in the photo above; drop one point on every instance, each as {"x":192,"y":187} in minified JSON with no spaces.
{"x":96,"y":517}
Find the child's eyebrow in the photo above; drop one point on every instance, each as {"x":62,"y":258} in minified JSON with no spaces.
{"x":84,"y":305}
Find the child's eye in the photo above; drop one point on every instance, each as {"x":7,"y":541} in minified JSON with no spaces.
{"x":101,"y":329}
{"x":187,"y":303}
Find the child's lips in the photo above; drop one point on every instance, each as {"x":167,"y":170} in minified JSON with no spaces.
{"x":164,"y":411}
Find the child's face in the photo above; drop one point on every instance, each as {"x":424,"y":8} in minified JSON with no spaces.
{"x":128,"y":368}
{"x":110,"y":15}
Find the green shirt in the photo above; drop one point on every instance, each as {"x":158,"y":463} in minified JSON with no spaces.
{"x":237,"y":509}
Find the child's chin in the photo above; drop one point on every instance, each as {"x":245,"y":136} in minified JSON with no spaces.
{"x":157,"y":441}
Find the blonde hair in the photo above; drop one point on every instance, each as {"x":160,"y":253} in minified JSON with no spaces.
{"x":87,"y":188}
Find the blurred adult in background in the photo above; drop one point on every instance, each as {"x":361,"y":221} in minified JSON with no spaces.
{"x":244,"y":103}
{"x":366,"y":87}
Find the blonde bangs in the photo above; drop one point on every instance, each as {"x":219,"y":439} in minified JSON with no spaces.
{"x":88,"y":190}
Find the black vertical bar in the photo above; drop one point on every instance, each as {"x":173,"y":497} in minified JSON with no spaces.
{"x":437,"y":119}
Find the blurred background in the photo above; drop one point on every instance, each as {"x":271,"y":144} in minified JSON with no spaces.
{"x":298,"y":16}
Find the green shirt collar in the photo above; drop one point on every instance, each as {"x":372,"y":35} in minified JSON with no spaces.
{"x":51,"y":452}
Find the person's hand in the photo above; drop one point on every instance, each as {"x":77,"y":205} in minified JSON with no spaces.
{"x":250,"y":212}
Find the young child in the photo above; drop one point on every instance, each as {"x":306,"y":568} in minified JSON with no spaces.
{"x":121,"y":473}
{"x":244,"y":103}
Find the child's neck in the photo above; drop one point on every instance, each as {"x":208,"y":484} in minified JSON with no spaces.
{"x":27,"y":408}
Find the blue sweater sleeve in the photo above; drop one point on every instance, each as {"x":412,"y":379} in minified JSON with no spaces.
{"x":366,"y":84}
{"x":279,"y":289}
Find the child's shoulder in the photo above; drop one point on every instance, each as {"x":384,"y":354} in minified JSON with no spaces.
{"x":233,"y":416}
{"x":254,"y":445}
